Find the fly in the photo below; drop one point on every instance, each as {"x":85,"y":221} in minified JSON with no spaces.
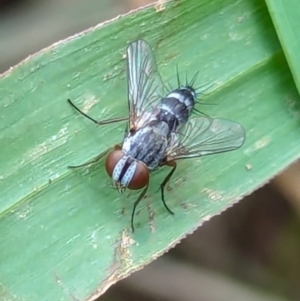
{"x":160,"y":130}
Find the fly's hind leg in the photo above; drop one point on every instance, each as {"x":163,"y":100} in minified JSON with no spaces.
{"x":164,"y":183}
{"x":101,"y":122}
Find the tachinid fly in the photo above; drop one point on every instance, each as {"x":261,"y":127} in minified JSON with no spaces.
{"x":160,"y":130}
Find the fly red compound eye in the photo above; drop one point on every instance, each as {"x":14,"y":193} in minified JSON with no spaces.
{"x":140,"y":177}
{"x":112,"y":160}
{"x":126,"y":171}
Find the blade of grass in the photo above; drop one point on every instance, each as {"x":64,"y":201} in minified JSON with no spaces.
{"x":66,"y":234}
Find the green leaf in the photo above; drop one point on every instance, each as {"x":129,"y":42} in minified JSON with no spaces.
{"x":285,"y":15}
{"x":65,"y":233}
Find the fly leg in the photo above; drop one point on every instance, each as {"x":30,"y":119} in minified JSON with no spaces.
{"x":96,"y":159}
{"x":164,"y":183}
{"x":142,"y":194}
{"x":101,"y":122}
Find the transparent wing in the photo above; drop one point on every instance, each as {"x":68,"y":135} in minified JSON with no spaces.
{"x":204,"y":136}
{"x":144,"y":83}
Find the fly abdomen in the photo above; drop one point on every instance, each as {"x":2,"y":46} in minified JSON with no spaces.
{"x":164,"y":115}
{"x":177,"y":106}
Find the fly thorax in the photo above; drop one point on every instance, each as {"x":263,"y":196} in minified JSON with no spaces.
{"x":124,"y":171}
{"x":132,"y":141}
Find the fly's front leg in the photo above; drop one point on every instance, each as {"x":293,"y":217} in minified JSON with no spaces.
{"x":96,"y":159}
{"x":101,"y":122}
{"x":164,"y":183}
{"x":142,"y":194}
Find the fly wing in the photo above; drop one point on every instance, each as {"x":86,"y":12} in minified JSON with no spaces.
{"x":144,"y":83}
{"x":205,"y":136}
